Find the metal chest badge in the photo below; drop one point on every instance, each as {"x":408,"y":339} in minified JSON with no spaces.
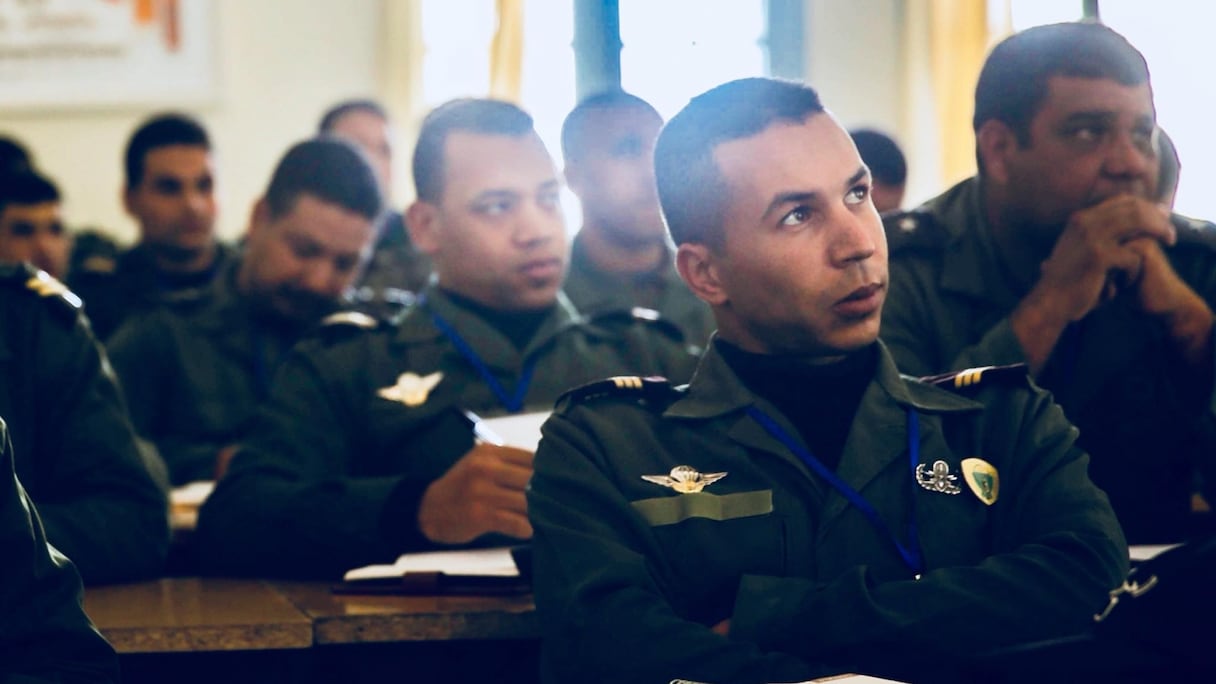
{"x":982,"y":478}
{"x":685,"y":479}
{"x":938,"y":478}
{"x":411,"y":389}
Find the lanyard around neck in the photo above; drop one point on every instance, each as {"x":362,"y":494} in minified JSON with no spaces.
{"x":513,"y":402}
{"x":911,"y":554}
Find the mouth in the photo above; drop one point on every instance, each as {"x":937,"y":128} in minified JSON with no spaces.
{"x":542,"y":269}
{"x":862,"y":302}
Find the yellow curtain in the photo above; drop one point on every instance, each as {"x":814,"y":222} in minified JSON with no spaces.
{"x":507,"y":51}
{"x":400,"y":61}
{"x":958,"y":43}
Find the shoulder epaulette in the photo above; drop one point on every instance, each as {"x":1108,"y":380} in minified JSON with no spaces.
{"x":638,"y":314}
{"x":355,"y":319}
{"x":911,"y":230}
{"x":652,"y":390}
{"x":42,"y":284}
{"x":975,"y":378}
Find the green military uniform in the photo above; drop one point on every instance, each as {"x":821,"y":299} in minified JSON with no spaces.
{"x":75,"y":449}
{"x":45,"y":635}
{"x":595,"y":291}
{"x":331,"y":475}
{"x":113,"y":289}
{"x":631,"y":573}
{"x":395,"y":272}
{"x":194,"y":382}
{"x":1147,"y":422}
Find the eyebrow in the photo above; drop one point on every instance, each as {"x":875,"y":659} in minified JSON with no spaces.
{"x":782,"y":199}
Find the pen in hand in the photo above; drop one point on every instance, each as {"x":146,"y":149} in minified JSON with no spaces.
{"x":482,"y":431}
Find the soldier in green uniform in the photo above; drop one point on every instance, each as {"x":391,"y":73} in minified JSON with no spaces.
{"x":194,"y":382}
{"x":75,"y":450}
{"x":170,"y":192}
{"x":1059,"y":255}
{"x":395,"y":270}
{"x":363,"y":450}
{"x":801,"y":509}
{"x":620,"y":258}
{"x":45,"y":635}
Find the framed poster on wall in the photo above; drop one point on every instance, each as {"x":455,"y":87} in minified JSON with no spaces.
{"x":100,"y":53}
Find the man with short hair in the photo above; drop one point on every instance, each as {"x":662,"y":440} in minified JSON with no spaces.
{"x":194,"y":382}
{"x":1060,"y":255}
{"x":800,"y":509}
{"x":395,"y":268}
{"x":887,"y":166}
{"x":170,"y":191}
{"x":620,"y":258}
{"x":31,"y":223}
{"x":364,"y":449}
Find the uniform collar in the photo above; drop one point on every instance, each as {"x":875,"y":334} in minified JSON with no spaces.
{"x":417,"y":326}
{"x":971,"y":265}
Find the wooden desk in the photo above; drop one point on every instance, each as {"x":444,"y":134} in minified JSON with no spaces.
{"x":351,"y":619}
{"x":192,"y":614}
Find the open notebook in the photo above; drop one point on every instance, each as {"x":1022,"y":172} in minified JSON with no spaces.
{"x":498,"y":570}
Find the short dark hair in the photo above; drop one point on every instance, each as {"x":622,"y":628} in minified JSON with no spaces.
{"x":691,"y":189}
{"x":14,"y":157}
{"x":575,"y":125}
{"x":331,"y":116}
{"x":472,"y":115}
{"x":329,"y":169}
{"x":1013,"y":83}
{"x":881,"y":155}
{"x":25,"y":188}
{"x":162,"y":130}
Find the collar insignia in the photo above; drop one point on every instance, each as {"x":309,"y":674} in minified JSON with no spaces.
{"x":938,"y":479}
{"x":411,"y":389}
{"x":982,"y":478}
{"x":685,"y":479}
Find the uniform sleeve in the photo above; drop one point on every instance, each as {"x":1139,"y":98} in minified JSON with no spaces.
{"x":98,"y":500}
{"x":145,"y":359}
{"x":290,"y":504}
{"x":44,"y":634}
{"x":1057,"y":551}
{"x":604,"y":617}
{"x":915,"y":327}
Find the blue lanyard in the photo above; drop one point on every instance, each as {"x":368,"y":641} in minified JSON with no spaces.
{"x":512,"y":402}
{"x":911,"y":554}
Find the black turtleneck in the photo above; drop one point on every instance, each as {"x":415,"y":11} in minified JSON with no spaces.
{"x":819,"y":399}
{"x":518,"y":326}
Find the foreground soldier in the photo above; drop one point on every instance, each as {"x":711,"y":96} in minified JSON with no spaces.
{"x":44,"y":634}
{"x":362,"y":451}
{"x":75,"y":449}
{"x":801,"y":509}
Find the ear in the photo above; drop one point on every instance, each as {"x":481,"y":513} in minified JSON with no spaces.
{"x":259,"y":216}
{"x":698,"y":266}
{"x":995,"y":142}
{"x":574,"y":179}
{"x":422,"y":222}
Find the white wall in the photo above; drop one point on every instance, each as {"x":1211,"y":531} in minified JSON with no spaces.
{"x":280,"y":62}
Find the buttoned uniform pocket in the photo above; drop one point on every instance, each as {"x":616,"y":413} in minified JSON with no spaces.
{"x":707,"y":541}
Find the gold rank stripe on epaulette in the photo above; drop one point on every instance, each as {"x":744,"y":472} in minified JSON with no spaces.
{"x":626,"y":382}
{"x":46,"y":285}
{"x":972,"y":378}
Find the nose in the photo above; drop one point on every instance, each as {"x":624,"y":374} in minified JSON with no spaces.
{"x":856,"y":236}
{"x":321,"y":278}
{"x":536,"y":225}
{"x":1129,"y":157}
